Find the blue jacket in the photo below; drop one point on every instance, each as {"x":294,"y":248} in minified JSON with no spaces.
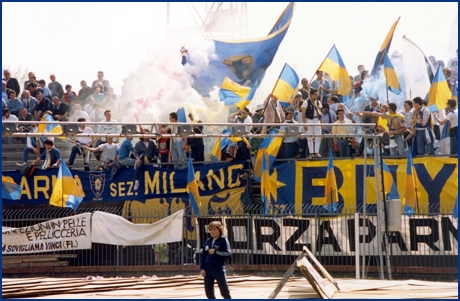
{"x":125,"y":149}
{"x":223,"y":252}
{"x":54,"y":153}
{"x":14,"y":105}
{"x":32,"y":103}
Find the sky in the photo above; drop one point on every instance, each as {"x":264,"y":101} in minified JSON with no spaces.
{"x":75,"y":40}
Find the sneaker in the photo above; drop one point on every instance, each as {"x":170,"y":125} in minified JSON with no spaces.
{"x":317,"y":156}
{"x":21,"y":164}
{"x":136,"y":185}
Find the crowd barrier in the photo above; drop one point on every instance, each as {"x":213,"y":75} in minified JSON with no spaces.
{"x":424,"y":241}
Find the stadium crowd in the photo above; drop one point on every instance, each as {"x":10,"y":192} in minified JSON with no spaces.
{"x":315,"y":103}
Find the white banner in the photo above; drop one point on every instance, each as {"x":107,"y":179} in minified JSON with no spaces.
{"x":80,"y":231}
{"x":63,"y":234}
{"x":432,"y":235}
{"x":115,"y":230}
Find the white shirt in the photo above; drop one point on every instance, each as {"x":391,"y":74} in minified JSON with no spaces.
{"x":453,"y":118}
{"x":86,"y":140}
{"x":11,"y":118}
{"x":409,"y":116}
{"x":174,"y":128}
{"x":284,"y":128}
{"x":109,"y":151}
{"x":82,"y":114}
{"x":108,"y":129}
{"x":248,"y":119}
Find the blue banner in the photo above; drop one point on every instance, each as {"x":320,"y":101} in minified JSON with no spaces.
{"x":155,"y":182}
{"x":296,"y":186}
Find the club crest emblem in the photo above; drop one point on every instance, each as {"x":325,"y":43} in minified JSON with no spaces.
{"x":97,"y":182}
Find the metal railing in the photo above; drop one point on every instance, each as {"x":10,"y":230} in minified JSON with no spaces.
{"x":425,"y":240}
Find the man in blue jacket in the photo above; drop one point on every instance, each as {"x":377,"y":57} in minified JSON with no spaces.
{"x":212,"y":261}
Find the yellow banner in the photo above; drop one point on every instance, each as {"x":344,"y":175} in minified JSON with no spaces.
{"x":436,"y":188}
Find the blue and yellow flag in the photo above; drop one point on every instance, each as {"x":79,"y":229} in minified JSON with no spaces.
{"x":66,"y":192}
{"x":232,"y":93}
{"x":392,"y":81}
{"x":223,"y":142}
{"x":217,"y":150}
{"x":270,"y":147}
{"x":192,"y":188}
{"x":334,"y":66}
{"x":331,"y":195}
{"x":265,"y":185}
{"x":384,"y":48}
{"x":410,"y":190}
{"x":10,"y":190}
{"x":51,"y":127}
{"x":390,"y":186}
{"x":242,"y":61}
{"x":439,"y":92}
{"x":286,"y":86}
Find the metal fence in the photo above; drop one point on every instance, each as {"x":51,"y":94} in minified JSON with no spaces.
{"x":345,"y":239}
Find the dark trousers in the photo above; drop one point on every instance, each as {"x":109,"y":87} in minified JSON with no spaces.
{"x":289,"y":150}
{"x":344,"y":148}
{"x":326,"y":144}
{"x":197,"y":147}
{"x":27,"y":151}
{"x":164,"y":159}
{"x":215,"y":272}
{"x":453,"y":140}
{"x":408,"y":142}
{"x":97,"y":155}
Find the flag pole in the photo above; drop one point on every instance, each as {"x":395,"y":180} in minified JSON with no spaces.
{"x":415,"y":184}
{"x":273,"y":90}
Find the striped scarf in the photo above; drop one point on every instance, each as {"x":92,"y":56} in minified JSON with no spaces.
{"x":47,"y":162}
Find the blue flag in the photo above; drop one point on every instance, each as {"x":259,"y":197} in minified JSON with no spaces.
{"x":392,"y":80}
{"x":334,"y":66}
{"x":384,"y":48}
{"x":390,"y":186}
{"x":410,"y":190}
{"x":286,"y":86}
{"x":66,"y":192}
{"x":192,"y":188}
{"x":242,"y":61}
{"x":232,"y":93}
{"x":181,"y":115}
{"x":265,"y":185}
{"x":331,"y":195}
{"x":10,"y":190}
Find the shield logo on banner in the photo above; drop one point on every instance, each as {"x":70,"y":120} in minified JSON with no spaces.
{"x":97,"y":182}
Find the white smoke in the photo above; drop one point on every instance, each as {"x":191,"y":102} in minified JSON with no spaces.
{"x":162,"y":85}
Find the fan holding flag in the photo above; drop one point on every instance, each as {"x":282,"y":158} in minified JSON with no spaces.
{"x":452,"y":121}
{"x":334,"y":66}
